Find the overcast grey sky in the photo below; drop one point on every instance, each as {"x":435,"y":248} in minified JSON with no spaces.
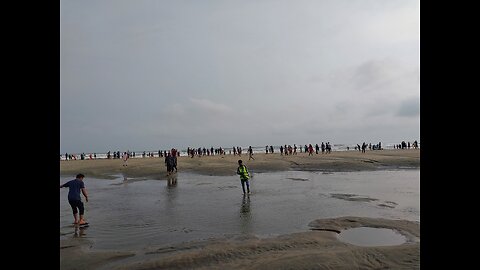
{"x":146,"y":75}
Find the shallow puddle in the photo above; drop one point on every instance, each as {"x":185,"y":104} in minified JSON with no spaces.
{"x":369,"y":237}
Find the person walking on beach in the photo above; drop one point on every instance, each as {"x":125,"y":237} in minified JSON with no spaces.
{"x":125,"y":159}
{"x":169,"y":162}
{"x":174,"y":156}
{"x":75,"y":186}
{"x":250,"y":153}
{"x":244,"y":176}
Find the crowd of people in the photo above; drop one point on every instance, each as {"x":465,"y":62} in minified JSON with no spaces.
{"x":324,"y":148}
{"x":406,"y":145}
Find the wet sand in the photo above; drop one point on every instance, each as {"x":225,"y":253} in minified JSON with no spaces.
{"x":315,"y":249}
{"x":318,"y":248}
{"x":154,"y":168}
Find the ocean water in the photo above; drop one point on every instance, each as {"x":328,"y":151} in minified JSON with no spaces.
{"x":130,"y":214}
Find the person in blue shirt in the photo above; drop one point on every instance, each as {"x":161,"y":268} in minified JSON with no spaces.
{"x":75,"y":186}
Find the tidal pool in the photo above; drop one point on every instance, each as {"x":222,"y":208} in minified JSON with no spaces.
{"x":129,"y":214}
{"x":369,"y":237}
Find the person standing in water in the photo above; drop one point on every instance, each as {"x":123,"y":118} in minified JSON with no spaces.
{"x":244,"y":176}
{"x":75,"y":186}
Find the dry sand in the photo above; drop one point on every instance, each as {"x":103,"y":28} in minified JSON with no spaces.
{"x":316,"y":249}
{"x":154,"y":168}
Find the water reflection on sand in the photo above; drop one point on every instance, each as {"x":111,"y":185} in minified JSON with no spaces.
{"x":134,"y":213}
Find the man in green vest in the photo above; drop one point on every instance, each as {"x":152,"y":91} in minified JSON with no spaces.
{"x":244,"y":175}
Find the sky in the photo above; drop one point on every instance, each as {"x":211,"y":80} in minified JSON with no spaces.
{"x":156,"y":74}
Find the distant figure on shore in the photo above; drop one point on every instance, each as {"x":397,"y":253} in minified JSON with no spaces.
{"x":125,"y":159}
{"x":250,"y":153}
{"x":328,"y":148}
{"x":174,"y":157}
{"x":244,"y":175}
{"x":75,"y":186}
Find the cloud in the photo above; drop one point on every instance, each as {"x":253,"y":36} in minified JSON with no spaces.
{"x":172,"y":73}
{"x":209,"y":106}
{"x":409,"y":108}
{"x":371,"y":75}
{"x":198,"y":116}
{"x":368,"y":90}
{"x":174,"y":109}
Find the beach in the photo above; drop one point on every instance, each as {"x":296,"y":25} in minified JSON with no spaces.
{"x":227,"y":164}
{"x":316,"y":247}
